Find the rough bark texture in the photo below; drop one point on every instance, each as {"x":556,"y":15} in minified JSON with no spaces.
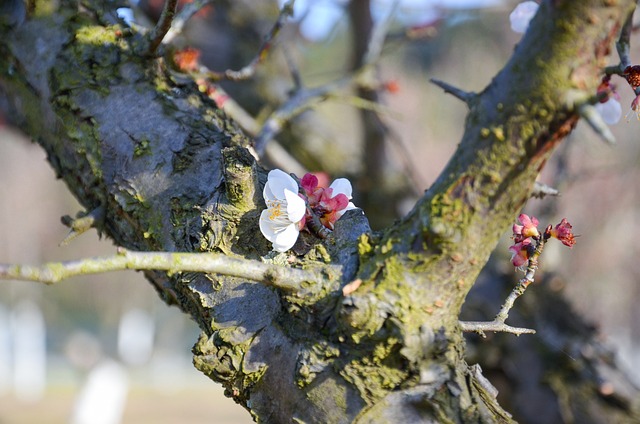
{"x":173,"y":174}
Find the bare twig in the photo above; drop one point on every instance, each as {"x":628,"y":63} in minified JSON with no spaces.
{"x":162,"y":27}
{"x":249,"y":70}
{"x":301,"y":101}
{"x":187,"y":11}
{"x":81,"y":224}
{"x":465,"y":96}
{"x":595,"y":121}
{"x":541,"y":190}
{"x":378,"y":36}
{"x":623,"y":47}
{"x":293,"y":69}
{"x":498,"y":324}
{"x":289,"y":279}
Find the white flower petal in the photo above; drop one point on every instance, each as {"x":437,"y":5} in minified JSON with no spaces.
{"x":286,"y":239}
{"x":296,"y":207}
{"x":611,"y":111}
{"x":522,"y":15}
{"x":266,"y":226}
{"x":341,"y":185}
{"x":277,"y":182}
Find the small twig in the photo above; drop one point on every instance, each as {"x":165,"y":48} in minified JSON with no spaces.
{"x":301,"y":101}
{"x":378,"y":36}
{"x":293,"y":69}
{"x":249,"y":70}
{"x":541,"y":190}
{"x":465,"y":96}
{"x":623,"y":47}
{"x":81,"y":224}
{"x":498,"y":323}
{"x":31,"y":7}
{"x":187,"y":11}
{"x":595,"y":121}
{"x":162,"y":27}
{"x":289,"y":279}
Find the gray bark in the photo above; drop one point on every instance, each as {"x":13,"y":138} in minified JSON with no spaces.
{"x":173,"y":174}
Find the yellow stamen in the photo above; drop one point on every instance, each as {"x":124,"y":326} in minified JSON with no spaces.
{"x":276,"y":210}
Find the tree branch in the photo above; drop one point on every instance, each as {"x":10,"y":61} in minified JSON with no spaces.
{"x":498,"y":324}
{"x":162,"y":26}
{"x":465,"y":96}
{"x":278,"y":276}
{"x":250,"y":70}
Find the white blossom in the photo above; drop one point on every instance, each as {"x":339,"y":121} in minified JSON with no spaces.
{"x":521,"y":16}
{"x":280,"y":222}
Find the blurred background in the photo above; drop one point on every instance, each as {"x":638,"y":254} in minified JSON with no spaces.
{"x":107,"y":341}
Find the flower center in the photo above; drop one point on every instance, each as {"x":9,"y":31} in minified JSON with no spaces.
{"x":275,"y":208}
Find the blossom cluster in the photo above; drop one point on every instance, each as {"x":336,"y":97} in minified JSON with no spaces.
{"x":526,"y":237}
{"x":290,"y":207}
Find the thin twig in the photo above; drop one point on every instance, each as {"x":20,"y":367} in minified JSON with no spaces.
{"x":498,"y":324}
{"x":162,"y":27}
{"x":81,"y":224}
{"x":465,"y":96}
{"x":378,"y":36}
{"x":623,"y":47}
{"x":293,"y":70}
{"x":249,"y":70}
{"x":595,"y":121}
{"x":289,"y":279}
{"x":541,"y":190}
{"x":301,"y":101}
{"x":186,"y":12}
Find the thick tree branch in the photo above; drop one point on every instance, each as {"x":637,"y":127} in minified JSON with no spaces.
{"x":173,"y":174}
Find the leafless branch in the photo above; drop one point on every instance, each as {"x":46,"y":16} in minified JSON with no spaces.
{"x":541,"y":190}
{"x":595,"y":121}
{"x":465,"y":96}
{"x":187,"y":11}
{"x":249,"y":70}
{"x":623,"y":46}
{"x":81,"y":224}
{"x":162,"y":27}
{"x":289,"y":279}
{"x":498,"y":324}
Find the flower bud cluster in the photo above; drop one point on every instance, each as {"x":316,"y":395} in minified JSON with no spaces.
{"x":527,"y":237}
{"x":290,"y":207}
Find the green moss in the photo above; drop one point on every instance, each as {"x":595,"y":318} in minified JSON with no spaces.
{"x":142,"y":147}
{"x":223,"y":361}
{"x":98,"y":35}
{"x":365,"y":247}
{"x":376,"y":375}
{"x":317,"y":254}
{"x":498,"y":132}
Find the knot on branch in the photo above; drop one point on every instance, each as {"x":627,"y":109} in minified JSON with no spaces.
{"x":240,"y":177}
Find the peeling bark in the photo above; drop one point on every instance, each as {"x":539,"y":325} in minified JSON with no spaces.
{"x":172,"y":173}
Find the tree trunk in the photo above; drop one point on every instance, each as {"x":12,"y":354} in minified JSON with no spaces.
{"x":173,"y":174}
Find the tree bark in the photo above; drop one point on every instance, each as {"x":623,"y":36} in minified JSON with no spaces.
{"x":173,"y":174}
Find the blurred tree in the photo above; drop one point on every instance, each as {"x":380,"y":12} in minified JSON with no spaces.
{"x":360,"y":326}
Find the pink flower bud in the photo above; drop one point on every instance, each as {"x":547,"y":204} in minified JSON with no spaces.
{"x":562,"y":232}
{"x":529,"y":228}
{"x":521,"y":252}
